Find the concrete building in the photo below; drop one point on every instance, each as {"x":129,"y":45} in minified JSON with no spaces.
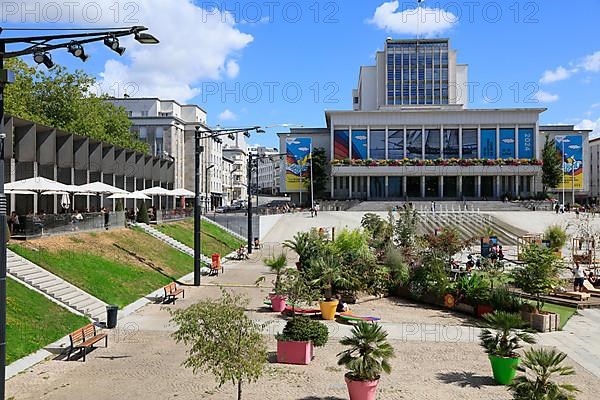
{"x":35,"y":150}
{"x":411,"y":136}
{"x":228,"y":166}
{"x":239,"y":174}
{"x":169,"y":128}
{"x":267,"y":176}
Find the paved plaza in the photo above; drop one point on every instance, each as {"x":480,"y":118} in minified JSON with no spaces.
{"x":438,"y":354}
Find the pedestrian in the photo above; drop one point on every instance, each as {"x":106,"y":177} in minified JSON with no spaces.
{"x":579,"y":274}
{"x":106,"y":215}
{"x":13,"y":223}
{"x":557,"y":208}
{"x":317,"y":209}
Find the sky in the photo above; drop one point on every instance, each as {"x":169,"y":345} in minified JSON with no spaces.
{"x":270,"y":62}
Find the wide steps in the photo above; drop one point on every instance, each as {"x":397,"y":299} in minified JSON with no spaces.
{"x":171,"y":242}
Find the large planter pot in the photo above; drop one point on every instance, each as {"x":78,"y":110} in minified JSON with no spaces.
{"x":328,"y":309}
{"x":278,"y":303}
{"x":300,"y":353}
{"x":465,"y":308}
{"x":504,"y":369}
{"x":542,"y":321}
{"x":483,"y":309}
{"x":362,"y":390}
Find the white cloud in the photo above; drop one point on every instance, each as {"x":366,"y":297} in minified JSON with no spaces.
{"x":421,"y":20}
{"x":227,"y":115}
{"x":592,"y":62}
{"x":196,"y":45}
{"x":545,"y":97}
{"x":588,"y":124}
{"x":232,"y":69}
{"x":559,"y":74}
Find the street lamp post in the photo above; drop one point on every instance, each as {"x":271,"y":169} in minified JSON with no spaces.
{"x":40,"y":47}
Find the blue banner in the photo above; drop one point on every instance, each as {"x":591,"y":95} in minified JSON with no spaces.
{"x":507,"y":143}
{"x":571,"y":149}
{"x":488,"y":144}
{"x":298,"y":152}
{"x":359,"y":145}
{"x":526,"y":143}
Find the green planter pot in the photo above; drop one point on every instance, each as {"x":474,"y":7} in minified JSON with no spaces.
{"x":504,"y":369}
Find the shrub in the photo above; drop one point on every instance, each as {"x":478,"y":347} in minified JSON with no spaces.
{"x":557,"y":237}
{"x":503,"y":333}
{"x":304,"y":329}
{"x":501,"y":299}
{"x":398,"y":268}
{"x":143,"y":214}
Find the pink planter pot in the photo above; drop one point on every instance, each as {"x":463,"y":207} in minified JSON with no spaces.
{"x":300,"y":353}
{"x":362,"y":390}
{"x":278,"y":303}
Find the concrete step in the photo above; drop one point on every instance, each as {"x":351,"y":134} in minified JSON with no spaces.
{"x":21,"y":269}
{"x":69,"y":294}
{"x":85,"y":304}
{"x":40,"y":281}
{"x":74,"y":301}
{"x":54,"y":285}
{"x":59,"y":293}
{"x":31,"y":276}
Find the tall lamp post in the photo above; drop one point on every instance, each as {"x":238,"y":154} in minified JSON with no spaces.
{"x":40,"y":47}
{"x":203,"y":133}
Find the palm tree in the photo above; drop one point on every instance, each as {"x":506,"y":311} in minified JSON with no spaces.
{"x":543,"y":364}
{"x":327,"y":271}
{"x":277,"y":265}
{"x":368,"y":352}
{"x":503,"y":333}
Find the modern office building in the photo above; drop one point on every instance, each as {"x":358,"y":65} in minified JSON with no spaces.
{"x":410,"y":135}
{"x":169,"y":128}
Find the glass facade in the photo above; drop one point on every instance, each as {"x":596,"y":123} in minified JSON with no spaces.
{"x":469,"y":144}
{"x":417,"y":72}
{"x":395,"y":187}
{"x":396,"y":145}
{"x":507,"y":143}
{"x":488,"y":144}
{"x":451,"y":144}
{"x":433,"y":148}
{"x":341,"y":141}
{"x":377,"y":145}
{"x":377,"y":187}
{"x":414,"y":144}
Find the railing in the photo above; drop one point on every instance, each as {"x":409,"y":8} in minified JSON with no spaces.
{"x":49,"y":224}
{"x":177,"y":214}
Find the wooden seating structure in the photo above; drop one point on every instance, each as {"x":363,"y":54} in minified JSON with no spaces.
{"x":171,"y":292}
{"x":85,"y":338}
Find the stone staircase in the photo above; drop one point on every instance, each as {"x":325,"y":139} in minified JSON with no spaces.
{"x":55,"y":287}
{"x":171,"y":242}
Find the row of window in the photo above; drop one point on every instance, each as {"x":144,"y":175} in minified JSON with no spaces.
{"x":432,"y":144}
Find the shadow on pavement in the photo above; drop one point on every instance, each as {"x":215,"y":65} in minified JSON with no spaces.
{"x":465,"y":379}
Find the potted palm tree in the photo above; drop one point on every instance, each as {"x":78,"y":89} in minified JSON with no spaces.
{"x":327,"y":272}
{"x":278,"y":265}
{"x":366,"y":357}
{"x":543,"y":364}
{"x":295,"y":345}
{"x":501,"y":337}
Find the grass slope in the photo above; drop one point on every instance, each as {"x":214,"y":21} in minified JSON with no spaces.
{"x":102,"y":263}
{"x":214,"y":239}
{"x":33,"y":321}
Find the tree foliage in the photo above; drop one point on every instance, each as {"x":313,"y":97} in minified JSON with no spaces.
{"x":552,"y":165}
{"x":503,"y":333}
{"x":66,"y":100}
{"x":320,"y":175}
{"x":222,"y":339}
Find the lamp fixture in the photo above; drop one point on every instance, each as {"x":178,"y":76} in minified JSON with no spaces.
{"x":77,"y":50}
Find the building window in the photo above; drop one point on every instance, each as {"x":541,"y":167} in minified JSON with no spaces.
{"x":432,"y":144}
{"x":396,"y":145}
{"x":377,"y":145}
{"x":341,"y":144}
{"x":359,"y":145}
{"x":414,"y":144}
{"x":144,"y":113}
{"x":451,"y":147}
{"x":469,"y":144}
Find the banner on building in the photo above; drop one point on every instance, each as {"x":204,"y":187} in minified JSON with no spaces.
{"x":571,"y":149}
{"x":507,"y":143}
{"x":488,"y":144}
{"x":297,"y":166}
{"x":526,"y":143}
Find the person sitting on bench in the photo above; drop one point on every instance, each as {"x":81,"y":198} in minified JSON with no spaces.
{"x":241,"y":253}
{"x":579,"y":274}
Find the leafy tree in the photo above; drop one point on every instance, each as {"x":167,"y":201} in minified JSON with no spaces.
{"x":379,"y":230}
{"x":539,"y":274}
{"x":447,"y":242}
{"x":66,"y":101}
{"x":404,"y":224}
{"x":544,"y":364}
{"x":320,"y":175}
{"x":222,"y":340}
{"x":297,"y":289}
{"x":552,"y":168}
{"x":557,"y":237}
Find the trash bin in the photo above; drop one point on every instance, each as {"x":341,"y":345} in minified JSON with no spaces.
{"x":111,"y":316}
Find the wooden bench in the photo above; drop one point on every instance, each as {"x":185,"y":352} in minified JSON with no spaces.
{"x":85,"y":338}
{"x":171,"y":292}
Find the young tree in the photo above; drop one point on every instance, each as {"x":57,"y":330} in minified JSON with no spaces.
{"x":320,"y":175}
{"x":142,"y":215}
{"x":552,"y":168}
{"x":222,"y":340}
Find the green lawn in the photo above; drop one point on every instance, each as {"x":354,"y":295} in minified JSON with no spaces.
{"x":33,"y":321}
{"x":565,"y":312}
{"x":97,"y":266}
{"x":214,"y":239}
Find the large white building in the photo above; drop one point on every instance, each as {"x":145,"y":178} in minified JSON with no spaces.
{"x":266,"y":176}
{"x":169,"y":128}
{"x":410,"y":135}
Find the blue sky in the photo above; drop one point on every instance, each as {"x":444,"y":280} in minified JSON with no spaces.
{"x":539,"y":53}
